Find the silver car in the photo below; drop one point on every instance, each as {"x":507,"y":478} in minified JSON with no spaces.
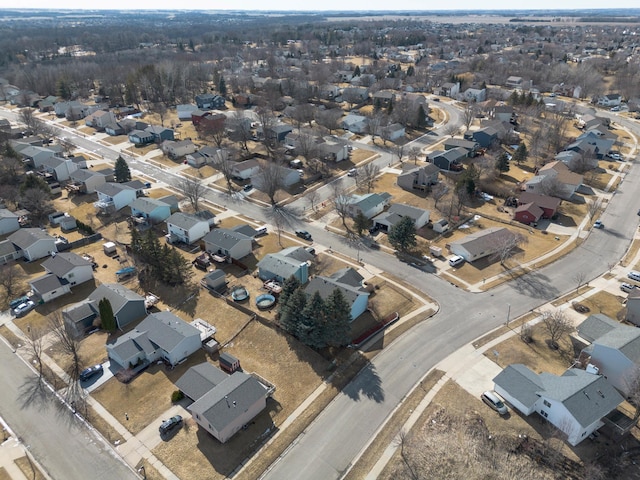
{"x":491,"y":398}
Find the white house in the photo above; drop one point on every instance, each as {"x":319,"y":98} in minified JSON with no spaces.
{"x":87,"y":181}
{"x":398,"y":211}
{"x":476,"y":95}
{"x":228,"y":242}
{"x":61,"y":168}
{"x":8,"y":221}
{"x":483,"y":243}
{"x":611,"y":100}
{"x":100,"y":119}
{"x":113,"y":197}
{"x":369,"y":204}
{"x":33,"y":242}
{"x":565,"y":182}
{"x":178,"y":149}
{"x":69,"y":266}
{"x":160,"y":336}
{"x":245,"y":170}
{"x":48,"y":287}
{"x":185,"y":228}
{"x":392,"y":132}
{"x":355,"y":123}
{"x":614,"y":349}
{"x":574,"y":402}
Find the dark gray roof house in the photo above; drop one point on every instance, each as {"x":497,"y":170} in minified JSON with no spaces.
{"x":199,"y":379}
{"x":292,"y":261}
{"x":79,"y":317}
{"x":127,"y":305}
{"x":349,"y":282}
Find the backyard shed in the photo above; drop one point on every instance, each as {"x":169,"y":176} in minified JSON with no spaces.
{"x":229,"y":363}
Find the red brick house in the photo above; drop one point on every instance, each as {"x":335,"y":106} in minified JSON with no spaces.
{"x":549,"y":205}
{"x":528,"y":213}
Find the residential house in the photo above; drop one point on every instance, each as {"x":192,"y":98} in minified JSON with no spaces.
{"x":206,"y":155}
{"x":141,"y":137}
{"x":47,"y":103}
{"x":246,"y":169}
{"x":396,"y":212}
{"x":80,"y":318}
{"x":150,"y":210}
{"x":469,"y":145}
{"x":504,"y":113}
{"x":633,"y":307}
{"x":556,"y":179}
{"x":450,"y":89}
{"x":8,"y":252}
{"x":160,"y":336}
{"x":184,"y":111}
{"x":528,"y":213}
{"x":356,"y":94}
{"x":275,"y":134}
{"x":288,"y":177}
{"x":549,"y":205}
{"x":610,"y":100}
{"x":292,"y":261}
{"x":8,"y":221}
{"x":114,"y":129}
{"x":226,"y":242}
{"x":483,"y":243}
{"x":418,"y":178}
{"x":514,"y":82}
{"x":186,"y":228}
{"x":209,"y":101}
{"x":36,"y":156}
{"x":581,"y":158}
{"x":333,"y":150}
{"x":126,"y":304}
{"x":73,"y":110}
{"x":223,"y":404}
{"x":60,"y":168}
{"x":392,"y":132}
{"x":70,"y":267}
{"x":137,"y":185}
{"x":100,"y":119}
{"x":475,"y":95}
{"x":486,"y":137}
{"x":197,"y":116}
{"x":349,"y":282}
{"x":112,"y":197}
{"x":613,"y":348}
{"x":34,"y":243}
{"x":369,"y":204}
{"x":383,"y":98}
{"x":449,"y":159}
{"x":601,"y":140}
{"x":574,"y":402}
{"x":160,"y":133}
{"x":354,"y":123}
{"x":48,"y":287}
{"x":86,"y":181}
{"x":179,"y":149}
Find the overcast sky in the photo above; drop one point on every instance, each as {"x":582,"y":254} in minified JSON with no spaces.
{"x":289,"y":5}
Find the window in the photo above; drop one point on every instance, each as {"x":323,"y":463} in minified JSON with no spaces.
{"x":71,"y":275}
{"x":544,"y":414}
{"x":546,"y":404}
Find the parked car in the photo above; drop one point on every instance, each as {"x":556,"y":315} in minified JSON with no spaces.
{"x":303,"y":234}
{"x":311,"y":250}
{"x":247,"y":188}
{"x":634,"y":275}
{"x":87,"y":373}
{"x":352,"y":172}
{"x":615,"y":109}
{"x":491,"y":398}
{"x":168,"y":425}
{"x":626,"y":287}
{"x":24,"y":308}
{"x":598,"y":224}
{"x":14,"y":303}
{"x":614,"y":156}
{"x":456,"y":260}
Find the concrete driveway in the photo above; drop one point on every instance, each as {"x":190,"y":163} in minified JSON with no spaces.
{"x":478,"y":377}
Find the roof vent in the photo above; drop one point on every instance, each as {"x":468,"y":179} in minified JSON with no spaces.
{"x":586,"y":394}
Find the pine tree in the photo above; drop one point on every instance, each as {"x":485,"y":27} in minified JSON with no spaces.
{"x":122,"y":172}
{"x":291,"y":312}
{"x":356,"y":71}
{"x":222,"y":87}
{"x":106,"y":315}
{"x":338,"y":328}
{"x":289,"y":286}
{"x":502,"y":162}
{"x":312,"y":326}
{"x":361,"y":222}
{"x":521,"y":154}
{"x":403,"y":234}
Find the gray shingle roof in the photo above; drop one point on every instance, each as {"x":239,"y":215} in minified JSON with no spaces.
{"x":285,"y":262}
{"x":7,"y":247}
{"x":245,"y":229}
{"x":81,"y":310}
{"x":326,"y":285}
{"x":63,"y":263}
{"x":595,"y":326}
{"x":25,"y":237}
{"x":110,"y":188}
{"x":228,"y":400}
{"x":485,"y":240}
{"x":199,"y":379}
{"x":131,"y":344}
{"x":117,"y":295}
{"x":146,"y":205}
{"x":167,"y":330}
{"x":225,"y":238}
{"x":47,"y":283}
{"x":183,"y":220}
{"x":4,"y":213}
{"x":521,"y":383}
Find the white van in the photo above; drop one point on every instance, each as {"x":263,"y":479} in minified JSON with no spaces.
{"x":490,"y":398}
{"x":261,"y":231}
{"x":456,"y":260}
{"x":633,"y":275}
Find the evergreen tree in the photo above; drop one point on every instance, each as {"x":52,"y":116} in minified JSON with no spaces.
{"x":521,"y":154}
{"x":136,"y":239}
{"x":356,"y":71}
{"x":222,"y":87}
{"x":312,"y":325}
{"x":291,"y":312}
{"x":122,"y":172}
{"x":106,"y":315}
{"x":338,"y":328}
{"x":502,"y":162}
{"x":289,"y":286}
{"x":63,"y":88}
{"x":361,"y":222}
{"x":402,"y":235}
{"x":192,"y":46}
{"x":411,"y":71}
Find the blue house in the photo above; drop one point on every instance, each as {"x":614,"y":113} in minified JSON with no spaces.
{"x":150,"y":210}
{"x":292,"y":261}
{"x":160,"y":134}
{"x":140,"y":137}
{"x":485,"y":136}
{"x":349,"y":282}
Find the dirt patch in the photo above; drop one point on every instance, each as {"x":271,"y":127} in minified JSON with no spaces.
{"x":4,"y":475}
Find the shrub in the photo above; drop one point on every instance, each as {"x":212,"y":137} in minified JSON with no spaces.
{"x":176,"y":396}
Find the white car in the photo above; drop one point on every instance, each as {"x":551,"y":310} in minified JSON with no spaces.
{"x":352,"y":172}
{"x":627,"y":287}
{"x":456,"y":260}
{"x":24,"y":308}
{"x":634,"y":275}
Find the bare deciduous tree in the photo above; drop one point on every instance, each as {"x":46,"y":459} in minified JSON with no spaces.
{"x":313,"y":197}
{"x":68,"y":344}
{"x":192,"y":189}
{"x":507,"y":245}
{"x":341,"y":202}
{"x":594,"y":207}
{"x":10,"y":276}
{"x":451,"y":130}
{"x":468,"y":114}
{"x":367,"y":176}
{"x":557,"y":325}
{"x":271,"y":179}
{"x":35,"y":343}
{"x":329,"y":119}
{"x":438,"y":191}
{"x":414,"y":154}
{"x":579,"y":278}
{"x":224,"y":165}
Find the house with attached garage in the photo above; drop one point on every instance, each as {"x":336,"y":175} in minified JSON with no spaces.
{"x":556,"y":178}
{"x":392,"y":132}
{"x":186,"y":228}
{"x":483,"y":243}
{"x":227,"y":242}
{"x":575,"y":402}
{"x":34,"y":156}
{"x":100,"y":119}
{"x":209,"y":101}
{"x":246,"y":169}
{"x":612,"y":348}
{"x":34,"y":243}
{"x":206,"y":155}
{"x":385,"y":221}
{"x":69,"y":266}
{"x":355,"y":123}
{"x":223,"y":404}
{"x":450,"y":160}
{"x":49,"y":287}
{"x":113,"y":197}
{"x":548,"y":205}
{"x":60,"y":168}
{"x":141,"y":137}
{"x":81,"y":318}
{"x":418,"y":178}
{"x":369,"y":204}
{"x":184,"y":111}
{"x":8,"y":252}
{"x":178,"y":149}
{"x":486,"y":137}
{"x":292,"y":261}
{"x":86,"y":181}
{"x":150,"y":210}
{"x":127,"y":305}
{"x":349,"y":282}
{"x":160,"y":336}
{"x":610,"y":100}
{"x":8,"y":221}
{"x":470,"y":146}
{"x":160,"y":133}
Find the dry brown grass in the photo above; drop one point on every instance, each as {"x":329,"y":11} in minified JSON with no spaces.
{"x":10,"y":337}
{"x":115,"y":140}
{"x":571,"y":295}
{"x":92,"y":351}
{"x":497,"y":333}
{"x":364,"y":464}
{"x":203,"y":172}
{"x":103,"y":426}
{"x":631,"y":254}
{"x":536,"y":355}
{"x":4,"y":475}
{"x":140,"y":151}
{"x":29,"y":469}
{"x":605,"y":302}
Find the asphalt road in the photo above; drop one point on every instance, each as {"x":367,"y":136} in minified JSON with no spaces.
{"x":60,"y":442}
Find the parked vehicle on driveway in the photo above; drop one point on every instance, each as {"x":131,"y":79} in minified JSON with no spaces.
{"x":87,"y":373}
{"x":627,"y":287}
{"x":634,"y":275}
{"x":24,"y":308}
{"x":14,"y":303}
{"x":168,"y":425}
{"x":456,"y":260}
{"x":491,"y":398}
